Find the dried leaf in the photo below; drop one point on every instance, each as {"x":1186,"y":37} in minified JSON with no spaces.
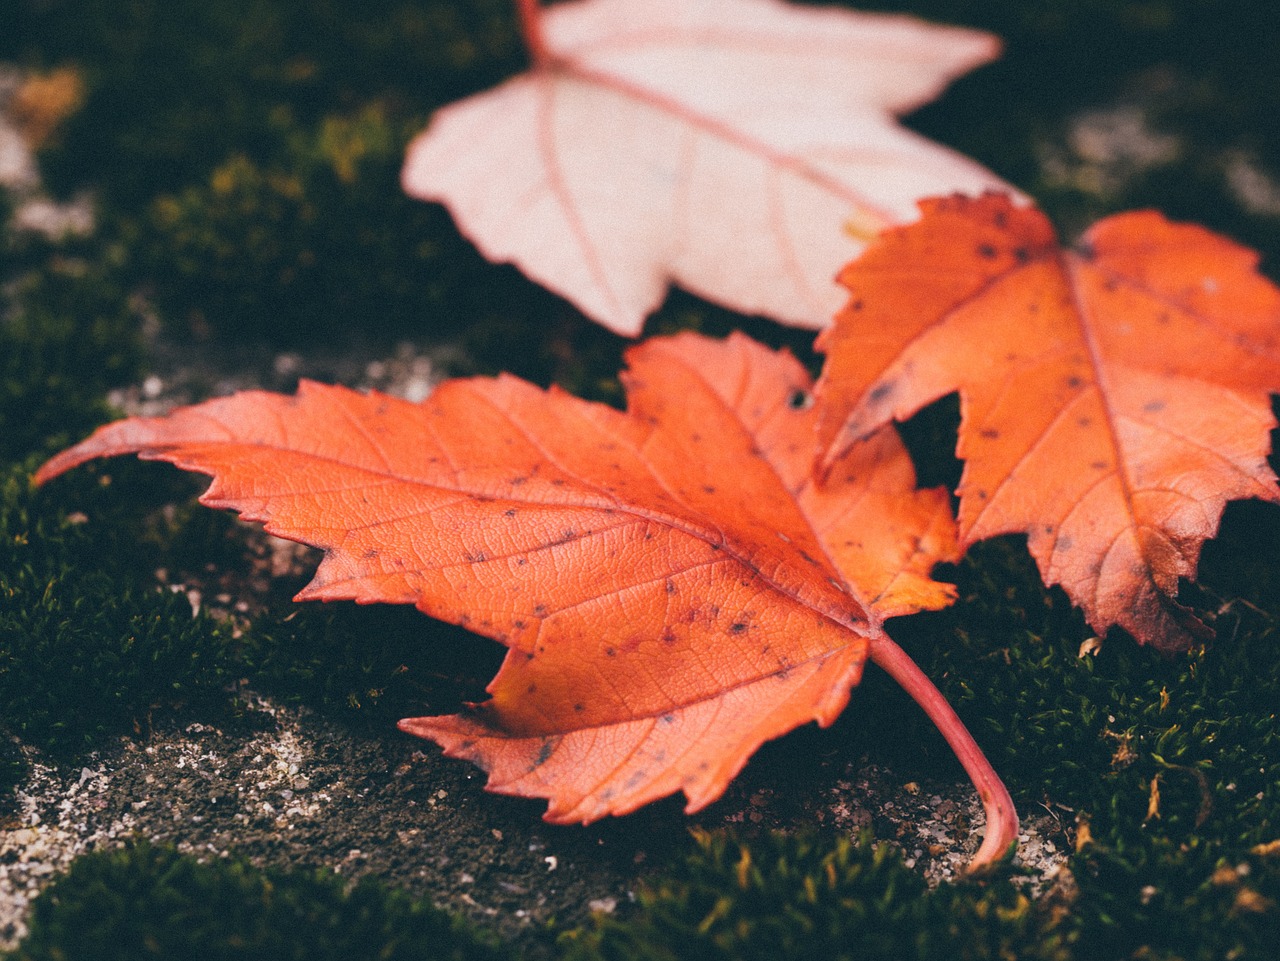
{"x":1113,"y":399}
{"x":723,"y":145}
{"x":673,"y":586}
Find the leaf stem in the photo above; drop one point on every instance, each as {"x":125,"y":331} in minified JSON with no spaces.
{"x":531,"y":29}
{"x":1002,"y":819}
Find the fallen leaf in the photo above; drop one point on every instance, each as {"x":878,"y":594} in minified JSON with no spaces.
{"x":673,"y":587}
{"x":724,"y":145}
{"x":1113,"y":398}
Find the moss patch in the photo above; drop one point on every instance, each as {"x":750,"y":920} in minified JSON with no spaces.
{"x":372,"y":665}
{"x":66,"y":337}
{"x":151,"y":902}
{"x":805,"y":897}
{"x":87,"y":646}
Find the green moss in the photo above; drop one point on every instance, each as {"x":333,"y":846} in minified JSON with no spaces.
{"x":370,"y":664}
{"x":151,"y":902}
{"x":89,"y":647}
{"x":177,"y":87}
{"x":12,"y":771}
{"x":67,"y":337}
{"x":1192,"y":900}
{"x":313,"y":241}
{"x":809,"y":897}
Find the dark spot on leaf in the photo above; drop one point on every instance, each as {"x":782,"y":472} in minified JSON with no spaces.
{"x":855,"y":304}
{"x":539,"y":609}
{"x":610,"y":652}
{"x":519,"y":624}
{"x":668,"y":636}
{"x":544,"y":752}
{"x":370,"y":553}
{"x":990,"y":433}
{"x":579,"y":707}
{"x":671,"y":587}
{"x":531,"y":689}
{"x":810,"y":560}
{"x":1099,"y":465}
{"x":986,"y":251}
{"x":1153,"y":406}
{"x":881,"y":391}
{"x":800,"y":400}
{"x":509,"y":512}
{"x":1073,"y":382}
{"x":1021,"y":254}
{"x":708,"y":489}
{"x":737,"y":627}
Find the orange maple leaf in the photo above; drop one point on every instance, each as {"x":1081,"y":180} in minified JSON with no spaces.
{"x":721,"y":145}
{"x":1113,"y":399}
{"x":673,"y":587}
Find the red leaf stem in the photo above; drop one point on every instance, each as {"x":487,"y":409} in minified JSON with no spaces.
{"x":531,"y":30}
{"x":1002,"y":820}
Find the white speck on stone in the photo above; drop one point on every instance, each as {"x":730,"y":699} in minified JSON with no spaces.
{"x":1106,"y":149}
{"x":1257,"y":192}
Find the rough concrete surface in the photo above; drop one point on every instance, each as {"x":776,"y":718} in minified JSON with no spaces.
{"x":286,"y":787}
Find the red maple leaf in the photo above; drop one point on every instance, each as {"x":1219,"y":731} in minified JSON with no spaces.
{"x":1113,"y":399}
{"x":673,"y":587}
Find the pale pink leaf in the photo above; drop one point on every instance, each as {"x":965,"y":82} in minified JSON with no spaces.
{"x":743,"y":149}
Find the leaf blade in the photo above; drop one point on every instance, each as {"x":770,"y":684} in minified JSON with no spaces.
{"x":722,"y":145}
{"x":631,"y":562}
{"x":1112,"y":400}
